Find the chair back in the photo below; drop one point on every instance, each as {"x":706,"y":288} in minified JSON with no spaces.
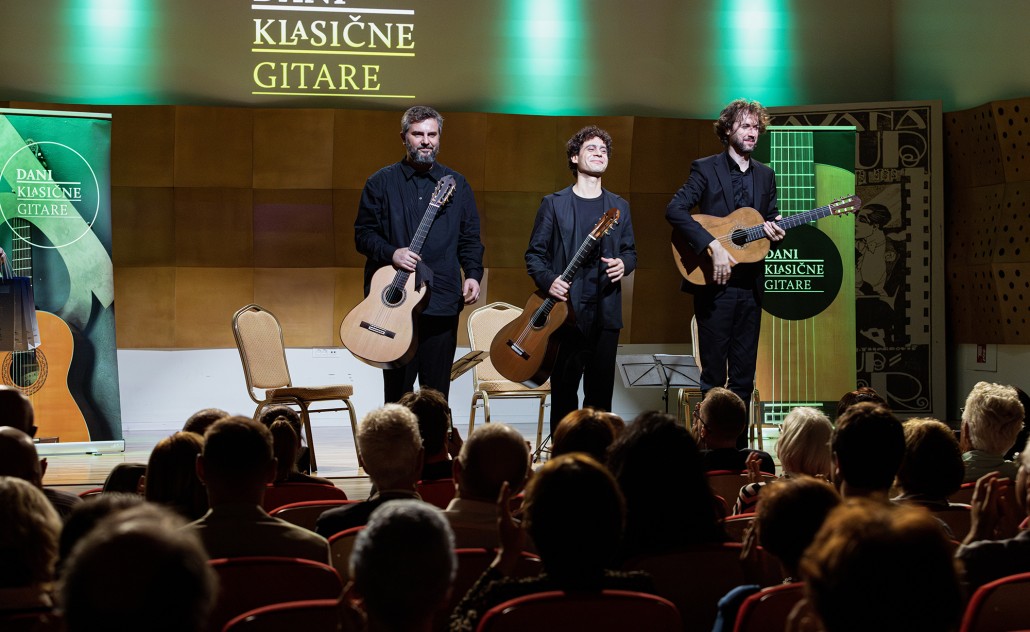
{"x":607,"y":610}
{"x":95,"y":491}
{"x":306,"y":512}
{"x":246,"y":583}
{"x":727,"y":483}
{"x":471,"y":565}
{"x":696,"y":577}
{"x":999,"y":606}
{"x":964,"y":494}
{"x":340,"y":546}
{"x":277,"y":495}
{"x":313,"y":615}
{"x":259,"y":338}
{"x":737,"y":526}
{"x":958,"y":518}
{"x":767,"y":610}
{"x":439,"y":492}
{"x":483,"y":324}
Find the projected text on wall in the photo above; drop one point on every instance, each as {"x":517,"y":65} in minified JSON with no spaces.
{"x":325,"y":48}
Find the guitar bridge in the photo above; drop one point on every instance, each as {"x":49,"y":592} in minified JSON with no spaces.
{"x":378,"y":330}
{"x":519,"y":351}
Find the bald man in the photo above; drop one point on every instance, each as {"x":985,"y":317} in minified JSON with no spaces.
{"x":18,"y":458}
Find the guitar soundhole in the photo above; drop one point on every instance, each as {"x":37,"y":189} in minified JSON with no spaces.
{"x":739,"y":237}
{"x":540,"y":321}
{"x":393,"y":296}
{"x":25,"y":370}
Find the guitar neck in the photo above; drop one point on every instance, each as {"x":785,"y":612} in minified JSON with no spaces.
{"x":21,"y":251}
{"x":754,"y":233}
{"x":419,"y":239}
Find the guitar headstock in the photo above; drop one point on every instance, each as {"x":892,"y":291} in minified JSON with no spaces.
{"x":606,"y":223}
{"x":846,"y":205}
{"x":443,"y":191}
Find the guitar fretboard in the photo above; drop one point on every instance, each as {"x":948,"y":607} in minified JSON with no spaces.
{"x":792,"y":158}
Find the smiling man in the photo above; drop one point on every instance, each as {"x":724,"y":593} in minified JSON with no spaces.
{"x":393,"y":204}
{"x":586,"y":351}
{"x":729,"y":311}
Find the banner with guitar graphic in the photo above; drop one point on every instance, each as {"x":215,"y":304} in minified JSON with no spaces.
{"x":55,"y":225}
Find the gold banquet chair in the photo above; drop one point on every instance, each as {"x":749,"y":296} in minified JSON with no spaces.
{"x":487,"y":383}
{"x":259,"y":338}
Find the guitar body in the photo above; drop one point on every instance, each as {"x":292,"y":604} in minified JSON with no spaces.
{"x":524,"y":351}
{"x":382,"y":330}
{"x":697,"y":269}
{"x":42,"y":376}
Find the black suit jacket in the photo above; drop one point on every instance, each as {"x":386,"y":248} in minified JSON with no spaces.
{"x":710,"y":187}
{"x":556,"y":238}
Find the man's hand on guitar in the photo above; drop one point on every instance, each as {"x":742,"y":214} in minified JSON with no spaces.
{"x":471,"y":291}
{"x":722,"y":262}
{"x":616,"y":268}
{"x":773,"y":230}
{"x":559,"y":289}
{"x":405,"y":259}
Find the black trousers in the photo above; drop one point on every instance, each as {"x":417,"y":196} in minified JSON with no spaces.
{"x":588,"y":357}
{"x":437,"y":340}
{"x":729,"y":320}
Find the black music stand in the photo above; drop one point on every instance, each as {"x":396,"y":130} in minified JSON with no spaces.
{"x":659,"y":370}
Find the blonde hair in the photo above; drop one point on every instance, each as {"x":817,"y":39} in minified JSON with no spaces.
{"x":993,"y":416}
{"x":804,"y":443}
{"x":389,"y":443}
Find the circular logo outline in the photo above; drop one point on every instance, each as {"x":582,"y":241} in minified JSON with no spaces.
{"x":788,"y":305}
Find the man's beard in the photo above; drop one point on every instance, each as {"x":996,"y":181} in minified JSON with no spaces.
{"x":417,"y":157}
{"x":739,"y":147}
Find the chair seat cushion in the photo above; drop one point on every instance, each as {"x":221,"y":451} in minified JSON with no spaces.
{"x":500,"y":386}
{"x":312,"y":393}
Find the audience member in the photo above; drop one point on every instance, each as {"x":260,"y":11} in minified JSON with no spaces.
{"x":803,"y":448}
{"x":391,"y":453}
{"x":587,"y":430}
{"x":171,"y":477}
{"x":669,"y":503}
{"x":125,"y":478}
{"x":402,"y":567}
{"x":722,"y":418}
{"x":235,"y":466}
{"x":877,"y":566}
{"x":203,"y":419}
{"x":269,"y":414}
{"x":786,"y":521}
{"x":440,"y":440}
{"x":931,"y":469}
{"x":995,"y":546}
{"x":87,"y":515}
{"x":138,"y":569}
{"x":29,"y":528}
{"x":18,"y":458}
{"x":991,"y":420}
{"x":868,"y":445}
{"x":574,"y":513}
{"x":16,"y":410}
{"x":860,"y":394}
{"x":494,"y":454}
{"x":1024,"y":432}
{"x":286,"y":445}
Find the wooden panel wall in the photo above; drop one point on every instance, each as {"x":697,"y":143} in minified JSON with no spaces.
{"x":216,"y":207}
{"x":988,"y":245}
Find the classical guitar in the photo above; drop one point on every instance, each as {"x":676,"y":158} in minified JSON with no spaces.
{"x":524,"y":350}
{"x":41,"y":374}
{"x":382,"y":329}
{"x":741,"y":232}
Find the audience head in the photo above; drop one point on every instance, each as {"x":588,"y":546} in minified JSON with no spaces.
{"x":434,"y":418}
{"x":804,"y":443}
{"x":868,"y":445}
{"x":493,"y":454}
{"x":269,"y":414}
{"x":138,"y":568}
{"x":85,"y":516}
{"x":574,"y":513}
{"x":286,"y":446}
{"x":171,"y":478}
{"x":895,"y":557}
{"x":203,"y":419}
{"x":237,"y":461}
{"x":125,"y":477}
{"x":586,"y":430}
{"x":860,"y":394}
{"x":16,"y":410}
{"x":669,"y":502}
{"x":391,"y":447}
{"x":1024,"y":432}
{"x":992,"y":418}
{"x":29,"y":529}
{"x":723,"y":418}
{"x":789,"y":514}
{"x":932,"y":467}
{"x":401,"y":585}
{"x":18,"y":457}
